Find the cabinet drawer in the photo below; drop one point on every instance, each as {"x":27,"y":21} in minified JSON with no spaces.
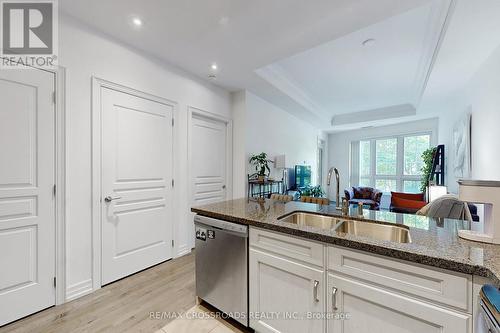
{"x":377,"y":310}
{"x":445,"y":287}
{"x":296,"y":248}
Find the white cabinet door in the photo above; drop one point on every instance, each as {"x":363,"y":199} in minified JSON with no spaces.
{"x":136,"y":175}
{"x":282,"y":292}
{"x":375,"y":310}
{"x":27,"y":220}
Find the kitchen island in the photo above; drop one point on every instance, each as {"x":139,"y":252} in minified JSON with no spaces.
{"x":435,"y":277}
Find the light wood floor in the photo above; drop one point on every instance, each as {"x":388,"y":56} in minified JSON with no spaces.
{"x":123,"y":306}
{"x":201,"y":323}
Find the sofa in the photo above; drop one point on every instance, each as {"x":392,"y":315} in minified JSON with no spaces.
{"x":408,"y":203}
{"x":367,"y":195}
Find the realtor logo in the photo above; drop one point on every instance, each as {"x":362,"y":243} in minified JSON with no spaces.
{"x":28,"y":33}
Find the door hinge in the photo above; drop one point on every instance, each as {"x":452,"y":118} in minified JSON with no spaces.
{"x":173,"y":183}
{"x":54,"y":97}
{"x":54,"y":190}
{"x":172,"y":243}
{"x":173,"y":121}
{"x":55,"y":282}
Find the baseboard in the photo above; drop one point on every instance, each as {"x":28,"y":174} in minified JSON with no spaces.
{"x":78,"y":290}
{"x":183,"y":250}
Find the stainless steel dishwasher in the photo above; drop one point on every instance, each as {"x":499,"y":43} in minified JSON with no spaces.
{"x":222,"y":266}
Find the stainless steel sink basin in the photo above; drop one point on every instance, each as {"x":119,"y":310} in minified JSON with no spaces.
{"x":367,"y":229}
{"x":384,"y":232}
{"x":312,"y":220}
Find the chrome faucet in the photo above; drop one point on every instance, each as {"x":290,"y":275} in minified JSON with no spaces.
{"x":328,"y":180}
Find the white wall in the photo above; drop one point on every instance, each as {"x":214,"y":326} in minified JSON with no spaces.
{"x":481,"y":98}
{"x":272,"y":130}
{"x":238,"y":105}
{"x":326,"y":163}
{"x":264,"y":127}
{"x":448,"y":110}
{"x":85,"y":53}
{"x":483,"y":94}
{"x":339,"y":144}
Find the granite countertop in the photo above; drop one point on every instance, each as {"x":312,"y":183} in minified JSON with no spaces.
{"x":434,"y":241}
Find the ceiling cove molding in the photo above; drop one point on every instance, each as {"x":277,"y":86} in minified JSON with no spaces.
{"x":437,"y":25}
{"x":277,"y":76}
{"x":367,"y":116}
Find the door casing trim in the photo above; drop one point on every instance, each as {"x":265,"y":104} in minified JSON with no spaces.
{"x":60,"y":180}
{"x":97,"y":85}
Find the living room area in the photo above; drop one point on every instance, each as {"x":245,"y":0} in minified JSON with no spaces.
{"x":399,"y":168}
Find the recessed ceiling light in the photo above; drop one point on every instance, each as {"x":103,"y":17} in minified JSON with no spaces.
{"x":214,"y":66}
{"x":137,"y":21}
{"x":368,"y":42}
{"x":224,"y":20}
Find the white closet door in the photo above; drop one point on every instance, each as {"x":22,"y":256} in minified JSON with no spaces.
{"x":136,"y":176}
{"x":208,"y":164}
{"x":27,"y":218}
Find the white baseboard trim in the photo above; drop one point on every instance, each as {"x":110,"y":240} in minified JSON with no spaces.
{"x":78,"y":290}
{"x":183,"y":250}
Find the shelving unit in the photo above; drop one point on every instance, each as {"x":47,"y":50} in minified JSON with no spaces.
{"x":437,"y":175}
{"x":264,"y":189}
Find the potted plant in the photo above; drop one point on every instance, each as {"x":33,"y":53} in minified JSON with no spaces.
{"x":428,"y":157}
{"x":261,"y":163}
{"x":313,"y":191}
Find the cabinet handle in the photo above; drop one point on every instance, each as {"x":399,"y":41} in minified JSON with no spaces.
{"x":334,"y":299}
{"x":316,"y":284}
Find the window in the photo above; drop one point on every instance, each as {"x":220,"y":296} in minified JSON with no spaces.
{"x":390,"y":164}
{"x":386,"y":156}
{"x":386,"y":185}
{"x":411,"y":186}
{"x":414,"y":146}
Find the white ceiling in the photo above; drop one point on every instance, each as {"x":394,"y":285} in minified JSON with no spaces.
{"x":240,"y":35}
{"x":472,"y":36}
{"x":343,"y":76}
{"x":306,"y":56}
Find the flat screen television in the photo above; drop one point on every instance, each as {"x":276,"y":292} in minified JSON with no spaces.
{"x":302,"y":176}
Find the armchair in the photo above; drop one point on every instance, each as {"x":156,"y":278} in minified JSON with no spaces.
{"x":367,"y":195}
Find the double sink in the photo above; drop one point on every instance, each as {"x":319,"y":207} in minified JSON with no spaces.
{"x":379,"y":231}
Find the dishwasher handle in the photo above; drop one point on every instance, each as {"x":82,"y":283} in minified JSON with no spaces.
{"x":234,"y":228}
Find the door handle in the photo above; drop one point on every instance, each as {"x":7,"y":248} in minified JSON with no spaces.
{"x":315,"y":290}
{"x":223,"y":187}
{"x":110,"y":198}
{"x":334,"y":299}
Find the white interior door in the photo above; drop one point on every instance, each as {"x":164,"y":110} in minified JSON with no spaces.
{"x":136,"y":178}
{"x":27,"y":204}
{"x":208,"y":160}
{"x":209,"y":172}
